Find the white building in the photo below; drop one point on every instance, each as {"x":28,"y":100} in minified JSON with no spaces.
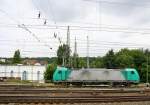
{"x":32,"y":73}
{"x":3,"y":60}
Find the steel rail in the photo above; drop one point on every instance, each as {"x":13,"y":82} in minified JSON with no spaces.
{"x":86,"y":99}
{"x":28,"y":89}
{"x":70,"y":91}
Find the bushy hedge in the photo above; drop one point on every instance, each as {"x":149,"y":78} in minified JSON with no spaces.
{"x":48,"y":74}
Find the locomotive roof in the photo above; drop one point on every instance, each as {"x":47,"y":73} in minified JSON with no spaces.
{"x":104,"y":69}
{"x":96,"y":69}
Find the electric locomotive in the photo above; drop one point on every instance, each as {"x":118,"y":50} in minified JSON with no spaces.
{"x":96,"y":76}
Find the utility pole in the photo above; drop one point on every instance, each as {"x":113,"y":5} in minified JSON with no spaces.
{"x":68,"y":45}
{"x":75,"y":53}
{"x":63,"y":61}
{"x":68,"y":36}
{"x":87,"y":52}
{"x":147,"y":81}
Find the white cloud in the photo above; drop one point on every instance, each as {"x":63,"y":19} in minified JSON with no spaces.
{"x":71,"y":12}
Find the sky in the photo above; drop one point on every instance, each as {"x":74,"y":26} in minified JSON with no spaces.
{"x":109,"y":24}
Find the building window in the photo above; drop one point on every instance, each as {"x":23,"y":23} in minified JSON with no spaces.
{"x":12,"y":73}
{"x":38,"y":75}
{"x":24,"y":75}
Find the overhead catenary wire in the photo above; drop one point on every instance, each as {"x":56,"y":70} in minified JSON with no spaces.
{"x":81,"y":42}
{"x":10,"y":17}
{"x":23,"y":27}
{"x":56,"y":35}
{"x":83,"y":45}
{"x":105,"y":29}
{"x":119,"y":3}
{"x":105,"y":26}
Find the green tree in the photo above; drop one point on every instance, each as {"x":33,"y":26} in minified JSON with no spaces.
{"x":99,"y":62}
{"x":82,"y":62}
{"x":109,"y":59}
{"x":124,"y":59}
{"x":96,"y":62}
{"x":139,"y":58}
{"x":16,"y":57}
{"x":63,"y":55}
{"x":48,"y":74}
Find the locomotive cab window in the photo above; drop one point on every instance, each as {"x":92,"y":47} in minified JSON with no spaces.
{"x":132,"y":72}
{"x":59,"y":72}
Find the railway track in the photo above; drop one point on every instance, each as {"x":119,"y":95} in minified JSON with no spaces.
{"x":30,"y":94}
{"x":64,"y":92}
{"x":73,"y":99}
{"x":43,"y":90}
